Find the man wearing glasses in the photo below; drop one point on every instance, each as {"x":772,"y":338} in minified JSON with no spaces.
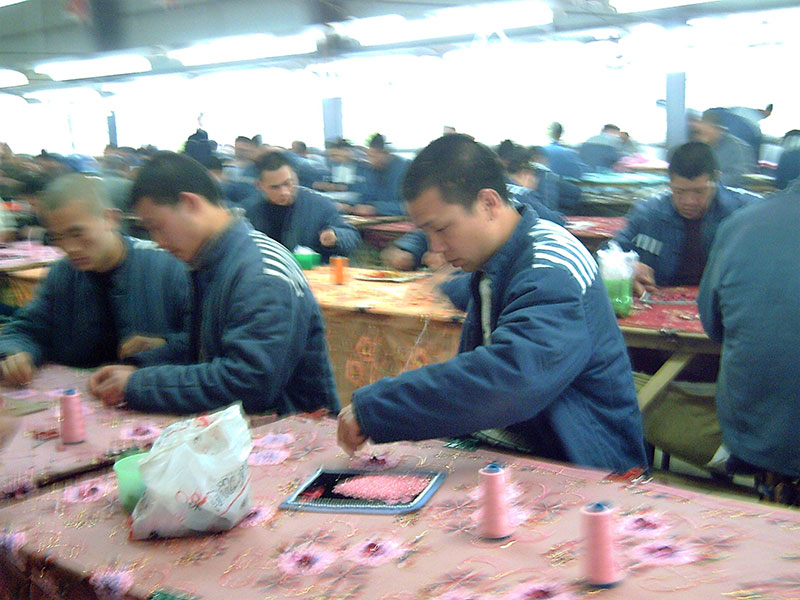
{"x":673,"y":233}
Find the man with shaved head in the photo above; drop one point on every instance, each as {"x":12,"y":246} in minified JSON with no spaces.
{"x":112,"y":297}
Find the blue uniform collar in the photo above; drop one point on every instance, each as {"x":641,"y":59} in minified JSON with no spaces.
{"x":214,"y":248}
{"x":498,"y":263}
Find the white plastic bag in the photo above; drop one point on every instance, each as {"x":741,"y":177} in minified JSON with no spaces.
{"x":618,"y":269}
{"x":196,"y":476}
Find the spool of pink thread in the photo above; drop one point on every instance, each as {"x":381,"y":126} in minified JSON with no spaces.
{"x":601,"y":568}
{"x":494,"y":523}
{"x":73,"y":424}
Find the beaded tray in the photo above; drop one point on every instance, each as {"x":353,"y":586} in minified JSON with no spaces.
{"x":364,"y":491}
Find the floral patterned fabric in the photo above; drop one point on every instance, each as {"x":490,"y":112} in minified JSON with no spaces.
{"x":72,"y":543}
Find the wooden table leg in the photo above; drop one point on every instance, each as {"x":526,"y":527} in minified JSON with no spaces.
{"x":662,"y":378}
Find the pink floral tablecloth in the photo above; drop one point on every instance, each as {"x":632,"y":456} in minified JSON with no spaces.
{"x":73,"y":543}
{"x":27,"y":255}
{"x":36,"y":456}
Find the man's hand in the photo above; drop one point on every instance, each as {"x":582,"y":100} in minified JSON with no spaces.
{"x":349,"y":434}
{"x":327,"y":237}
{"x":397,"y":259}
{"x":364,"y":210}
{"x":17,"y":369}
{"x":643,"y":279}
{"x":8,"y":429}
{"x":139,"y":343}
{"x":108,"y":384}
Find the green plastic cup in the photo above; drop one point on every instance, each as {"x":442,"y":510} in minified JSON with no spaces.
{"x":620,"y":293}
{"x":307,"y":261}
{"x":129,"y":481}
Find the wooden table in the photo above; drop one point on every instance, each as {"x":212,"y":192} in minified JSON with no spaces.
{"x":65,"y":545}
{"x":36,"y":458}
{"x":672,"y":325}
{"x":594,"y":231}
{"x":22,"y":265}
{"x":377,"y":329}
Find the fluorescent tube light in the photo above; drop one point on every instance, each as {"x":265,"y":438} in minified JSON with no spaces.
{"x":11,"y":78}
{"x":633,"y":6}
{"x":447,"y":22}
{"x":94,"y":67}
{"x":245,"y":47}
{"x":10,"y":2}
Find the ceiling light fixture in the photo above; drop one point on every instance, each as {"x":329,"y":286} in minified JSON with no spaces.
{"x":246,"y":47}
{"x":635,"y":6}
{"x":10,"y":2}
{"x":94,"y":67}
{"x":11,"y":78}
{"x":447,"y":22}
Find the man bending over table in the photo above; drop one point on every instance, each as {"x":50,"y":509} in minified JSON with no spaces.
{"x":541,"y":358}
{"x":256,"y":333}
{"x":111,"y":298}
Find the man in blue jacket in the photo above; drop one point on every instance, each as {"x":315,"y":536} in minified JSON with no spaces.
{"x":748,"y":301}
{"x":673,"y":233}
{"x":541,"y":357}
{"x":295,"y":215}
{"x":256,"y":333}
{"x":380,"y":193}
{"x":111,"y":297}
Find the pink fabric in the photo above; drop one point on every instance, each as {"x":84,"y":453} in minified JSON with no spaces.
{"x":706,"y":547}
{"x":657,"y":315}
{"x":595,"y":227}
{"x":27,"y":255}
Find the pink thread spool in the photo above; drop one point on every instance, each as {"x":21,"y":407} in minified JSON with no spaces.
{"x":494,"y":523}
{"x":73,"y":424}
{"x":601,"y":568}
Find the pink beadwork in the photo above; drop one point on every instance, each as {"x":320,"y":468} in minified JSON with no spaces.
{"x":267,"y":456}
{"x":662,"y":552}
{"x":88,"y":491}
{"x":308,"y":560}
{"x":140,"y":433}
{"x":643,"y":525}
{"x":392,"y":489}
{"x":531,"y":591}
{"x":373,"y":552}
{"x":274,"y":440}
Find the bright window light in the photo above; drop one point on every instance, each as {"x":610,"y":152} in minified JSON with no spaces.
{"x":94,"y":67}
{"x":447,"y":22}
{"x":64,"y":96}
{"x":10,"y":78}
{"x":632,"y":6}
{"x":246,"y":47}
{"x":10,"y":2}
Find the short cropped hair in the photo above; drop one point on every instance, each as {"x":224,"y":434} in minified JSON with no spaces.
{"x":167,"y":174}
{"x":693,"y":159}
{"x":271,"y":161}
{"x":90,"y":190}
{"x":377,"y":142}
{"x":459,"y":167}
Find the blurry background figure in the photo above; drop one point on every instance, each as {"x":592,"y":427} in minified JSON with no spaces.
{"x":734,"y":157}
{"x":601,"y":151}
{"x":745,"y":123}
{"x":563,"y":160}
{"x":380,"y":194}
{"x":789,"y":163}
{"x":346,"y":173}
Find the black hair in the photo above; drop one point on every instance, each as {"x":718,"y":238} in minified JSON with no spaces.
{"x":271,"y":161}
{"x":693,"y":159}
{"x":377,"y":141}
{"x":167,"y":174}
{"x":459,"y":167}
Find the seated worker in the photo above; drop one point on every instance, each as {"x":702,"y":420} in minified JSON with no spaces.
{"x":540,"y":356}
{"x":346,"y":173}
{"x":295,"y":215}
{"x":733,"y":156}
{"x":563,"y":160}
{"x":307,"y":169}
{"x":673,"y":233}
{"x":527,"y":169}
{"x":748,"y":302}
{"x":109,"y":298}
{"x":380,"y":194}
{"x":789,"y":162}
{"x":602,"y":150}
{"x":256,"y":334}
